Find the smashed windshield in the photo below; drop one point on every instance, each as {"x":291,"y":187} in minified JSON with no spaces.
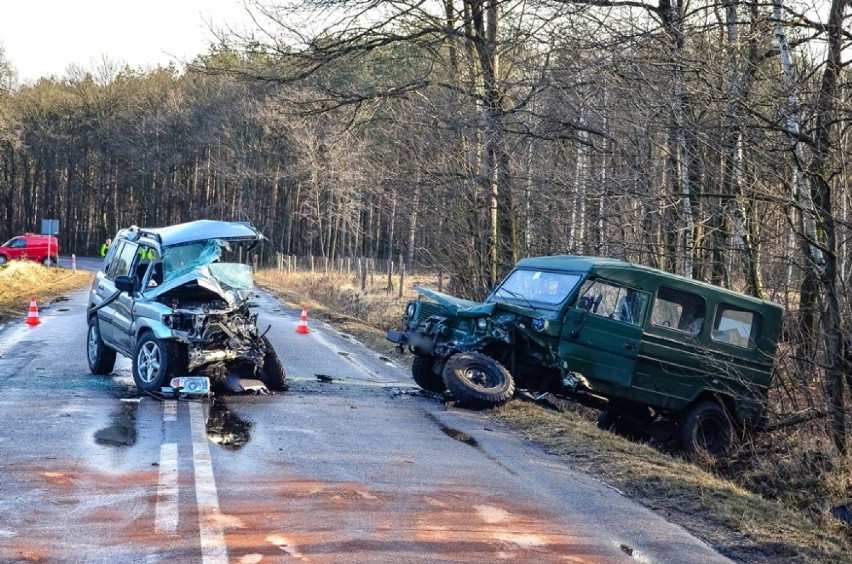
{"x":538,"y":286}
{"x":181,"y":259}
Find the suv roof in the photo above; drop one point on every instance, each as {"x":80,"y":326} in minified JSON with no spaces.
{"x":198,"y":231}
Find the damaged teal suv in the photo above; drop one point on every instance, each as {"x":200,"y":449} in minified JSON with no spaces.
{"x":654,"y":351}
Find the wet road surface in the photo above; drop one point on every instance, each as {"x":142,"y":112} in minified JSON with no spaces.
{"x":352,"y":464}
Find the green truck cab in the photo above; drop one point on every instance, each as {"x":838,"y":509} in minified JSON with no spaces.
{"x":652,"y":350}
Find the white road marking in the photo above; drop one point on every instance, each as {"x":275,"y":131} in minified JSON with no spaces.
{"x":213,"y":549}
{"x":169,"y":411}
{"x":167,"y":491}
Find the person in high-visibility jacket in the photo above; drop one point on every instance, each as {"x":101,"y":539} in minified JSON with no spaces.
{"x":105,"y":247}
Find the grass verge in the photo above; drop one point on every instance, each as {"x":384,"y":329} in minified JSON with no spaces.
{"x":21,"y":281}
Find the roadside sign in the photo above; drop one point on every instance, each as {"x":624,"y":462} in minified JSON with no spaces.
{"x":50,"y":227}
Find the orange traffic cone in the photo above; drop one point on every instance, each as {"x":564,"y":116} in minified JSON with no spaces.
{"x":32,"y":316}
{"x":303,"y":322}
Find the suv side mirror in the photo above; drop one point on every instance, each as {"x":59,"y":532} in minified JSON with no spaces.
{"x":125,"y":284}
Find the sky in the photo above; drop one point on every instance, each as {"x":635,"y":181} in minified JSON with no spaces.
{"x":43,"y":37}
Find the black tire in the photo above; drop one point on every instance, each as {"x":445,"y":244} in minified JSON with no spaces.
{"x":424,"y":375}
{"x":3,"y":260}
{"x":273,"y":375}
{"x":155,"y":363}
{"x":101,"y":357}
{"x":478,"y":381}
{"x":49,"y":261}
{"x":705,"y":430}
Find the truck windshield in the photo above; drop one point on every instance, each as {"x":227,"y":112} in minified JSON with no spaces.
{"x":536,"y":286}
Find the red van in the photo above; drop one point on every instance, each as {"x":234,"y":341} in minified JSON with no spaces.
{"x":39,"y":248}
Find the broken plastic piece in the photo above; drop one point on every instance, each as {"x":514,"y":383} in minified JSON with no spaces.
{"x":191,"y":385}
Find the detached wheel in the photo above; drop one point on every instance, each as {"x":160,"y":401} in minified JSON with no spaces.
{"x":424,"y":375}
{"x":101,"y":357}
{"x":273,"y":375}
{"x":477,"y":380}
{"x":155,"y":363}
{"x":706,"y":429}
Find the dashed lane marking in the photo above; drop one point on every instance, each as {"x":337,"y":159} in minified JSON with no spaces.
{"x":213,"y":549}
{"x":169,"y":411}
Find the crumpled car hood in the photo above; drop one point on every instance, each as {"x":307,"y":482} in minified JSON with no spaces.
{"x":202,"y":277}
{"x":458,"y":306}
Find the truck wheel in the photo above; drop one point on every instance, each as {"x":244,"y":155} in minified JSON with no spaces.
{"x":101,"y":357}
{"x":424,"y":376}
{"x":477,"y":380}
{"x":273,"y":376}
{"x":705,"y":429}
{"x":155,"y":363}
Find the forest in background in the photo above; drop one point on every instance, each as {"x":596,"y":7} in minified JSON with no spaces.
{"x":710,"y":139}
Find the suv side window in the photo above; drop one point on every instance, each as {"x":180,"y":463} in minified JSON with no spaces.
{"x":736,"y":326}
{"x":679,"y":310}
{"x":606,"y":299}
{"x":122,"y":260}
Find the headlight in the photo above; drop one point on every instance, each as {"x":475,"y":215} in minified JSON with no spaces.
{"x":409,"y":311}
{"x":482,"y":323}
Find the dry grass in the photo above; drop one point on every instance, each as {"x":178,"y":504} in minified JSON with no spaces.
{"x":727,"y":505}
{"x":741,"y":524}
{"x":338,"y":298}
{"x":20,"y":281}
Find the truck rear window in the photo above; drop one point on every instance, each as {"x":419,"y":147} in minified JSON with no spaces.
{"x":736,"y":326}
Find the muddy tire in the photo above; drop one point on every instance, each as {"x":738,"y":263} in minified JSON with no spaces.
{"x":101,"y":358}
{"x":424,"y":376}
{"x":273,"y":375}
{"x":705,"y":429}
{"x":478,"y":381}
{"x":155,"y":363}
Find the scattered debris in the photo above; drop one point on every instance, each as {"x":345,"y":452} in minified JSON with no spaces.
{"x":324,"y":378}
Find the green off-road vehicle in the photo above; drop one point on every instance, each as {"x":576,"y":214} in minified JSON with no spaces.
{"x":656,"y":352}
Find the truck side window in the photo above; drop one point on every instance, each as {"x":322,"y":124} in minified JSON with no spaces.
{"x":679,"y":310}
{"x":736,"y":326}
{"x":603,"y":298}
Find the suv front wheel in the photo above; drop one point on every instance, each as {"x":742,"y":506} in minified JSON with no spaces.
{"x":477,"y":380}
{"x":154,"y":363}
{"x":101,"y":358}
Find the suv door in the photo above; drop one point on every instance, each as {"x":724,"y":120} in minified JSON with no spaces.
{"x":602,"y":333}
{"x":114,"y":318}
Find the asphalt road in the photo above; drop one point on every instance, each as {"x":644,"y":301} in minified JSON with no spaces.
{"x":352,"y":464}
